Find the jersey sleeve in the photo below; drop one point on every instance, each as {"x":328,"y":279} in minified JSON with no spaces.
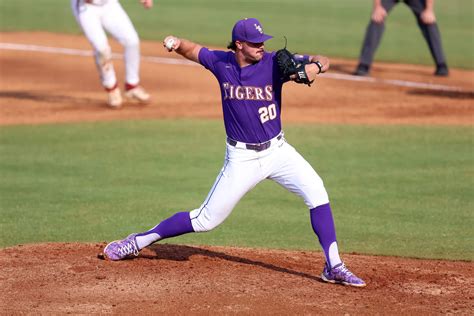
{"x":211,"y":59}
{"x":301,"y":58}
{"x":208,"y":58}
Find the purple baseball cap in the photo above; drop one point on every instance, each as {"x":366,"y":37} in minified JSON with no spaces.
{"x":249,"y":30}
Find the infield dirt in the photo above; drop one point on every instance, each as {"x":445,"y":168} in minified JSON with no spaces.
{"x":60,"y":278}
{"x":177,"y":279}
{"x":47,"y":88}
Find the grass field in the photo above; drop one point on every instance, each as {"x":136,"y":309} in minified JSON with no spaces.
{"x":333,"y":28}
{"x":404,"y":191}
{"x":395,"y":190}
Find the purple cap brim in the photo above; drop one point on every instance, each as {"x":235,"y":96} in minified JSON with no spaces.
{"x":260,"y":39}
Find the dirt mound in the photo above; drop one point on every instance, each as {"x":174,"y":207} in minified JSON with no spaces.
{"x":177,"y":279}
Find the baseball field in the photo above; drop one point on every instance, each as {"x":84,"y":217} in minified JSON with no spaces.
{"x":395,"y":150}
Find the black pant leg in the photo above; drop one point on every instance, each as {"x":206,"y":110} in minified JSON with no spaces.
{"x":373,"y":36}
{"x":430,"y":32}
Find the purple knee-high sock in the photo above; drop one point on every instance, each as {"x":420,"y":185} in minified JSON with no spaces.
{"x":323,"y":225}
{"x":178,"y":224}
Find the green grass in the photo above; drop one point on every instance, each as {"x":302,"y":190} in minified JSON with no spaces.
{"x":405,"y":191}
{"x":333,"y":28}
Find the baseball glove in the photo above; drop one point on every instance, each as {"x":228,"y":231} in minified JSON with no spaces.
{"x":290,"y":68}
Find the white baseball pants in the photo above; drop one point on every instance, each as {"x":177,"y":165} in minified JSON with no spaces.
{"x":95,"y":20}
{"x":243,"y":169}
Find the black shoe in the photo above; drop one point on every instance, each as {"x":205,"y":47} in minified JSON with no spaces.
{"x":362,"y":70}
{"x":441,"y":70}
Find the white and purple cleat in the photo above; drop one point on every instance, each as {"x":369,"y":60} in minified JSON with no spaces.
{"x":341,"y":275}
{"x":122,"y":249}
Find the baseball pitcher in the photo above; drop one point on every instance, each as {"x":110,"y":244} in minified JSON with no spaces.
{"x":251,"y":81}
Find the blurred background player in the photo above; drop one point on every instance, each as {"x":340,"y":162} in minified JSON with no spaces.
{"x":424,"y":12}
{"x":96,"y":17}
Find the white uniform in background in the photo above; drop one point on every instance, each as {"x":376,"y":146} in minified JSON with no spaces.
{"x":96,"y":17}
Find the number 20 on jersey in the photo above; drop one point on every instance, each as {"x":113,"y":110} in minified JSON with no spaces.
{"x":267,"y":113}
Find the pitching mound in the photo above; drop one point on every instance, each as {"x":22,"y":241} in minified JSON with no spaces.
{"x":177,"y":279}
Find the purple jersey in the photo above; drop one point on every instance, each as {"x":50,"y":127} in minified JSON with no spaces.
{"x":251,"y":96}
